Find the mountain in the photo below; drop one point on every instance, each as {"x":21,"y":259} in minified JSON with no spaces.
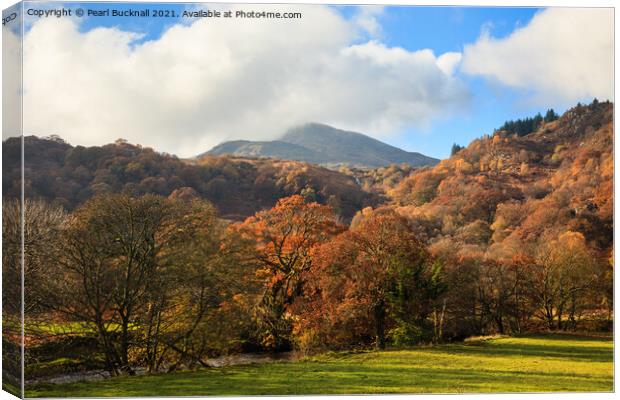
{"x":325,"y":145}
{"x":273,"y":149}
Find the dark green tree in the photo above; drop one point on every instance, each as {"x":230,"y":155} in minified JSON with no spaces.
{"x":551,"y":115}
{"x":455,"y":149}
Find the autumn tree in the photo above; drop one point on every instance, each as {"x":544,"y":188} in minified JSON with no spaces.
{"x":605,"y":285}
{"x":41,"y":225}
{"x":284,"y":237}
{"x":35,"y":225}
{"x":565,"y":270}
{"x":373,"y":282}
{"x":109,"y":259}
{"x":145,"y":273}
{"x":203,"y":264}
{"x":462,"y":316}
{"x":504,"y":292}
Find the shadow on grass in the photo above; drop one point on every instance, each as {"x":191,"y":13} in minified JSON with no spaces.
{"x":335,"y":379}
{"x":416,"y":370}
{"x":574,"y":353}
{"x":581,"y":337}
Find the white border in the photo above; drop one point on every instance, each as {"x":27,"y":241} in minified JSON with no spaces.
{"x":506,"y":3}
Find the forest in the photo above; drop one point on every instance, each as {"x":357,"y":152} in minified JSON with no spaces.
{"x":138,"y":260}
{"x":67,"y":176}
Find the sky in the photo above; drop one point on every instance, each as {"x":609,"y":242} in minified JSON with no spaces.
{"x":420,"y":78}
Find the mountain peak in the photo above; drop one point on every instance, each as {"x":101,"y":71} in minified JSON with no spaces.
{"x":323,"y":144}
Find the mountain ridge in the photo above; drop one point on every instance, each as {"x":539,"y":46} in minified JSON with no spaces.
{"x":324,"y":145}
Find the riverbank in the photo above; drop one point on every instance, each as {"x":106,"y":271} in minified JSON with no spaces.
{"x":533,"y":363}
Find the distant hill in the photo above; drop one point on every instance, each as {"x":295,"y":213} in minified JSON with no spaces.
{"x":325,"y":145}
{"x":509,"y":190}
{"x":68,"y":176}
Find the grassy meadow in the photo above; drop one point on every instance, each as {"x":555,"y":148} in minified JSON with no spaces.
{"x":532,"y":363}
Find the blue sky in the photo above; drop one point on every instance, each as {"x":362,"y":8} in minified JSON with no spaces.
{"x":490,"y":90}
{"x":417,"y":28}
{"x":152,"y":28}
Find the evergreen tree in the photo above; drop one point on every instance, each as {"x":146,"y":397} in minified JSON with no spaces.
{"x":551,"y":115}
{"x":455,"y":149}
{"x":524,"y":126}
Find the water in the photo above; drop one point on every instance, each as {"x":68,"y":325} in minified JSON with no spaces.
{"x":218,"y":362}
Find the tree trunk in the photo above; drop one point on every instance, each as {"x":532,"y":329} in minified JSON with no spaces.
{"x":517,"y":306}
{"x":549,"y":316}
{"x":112,"y":359}
{"x":379,"y":314}
{"x":125,"y":367}
{"x":499,"y":321}
{"x":438,"y":322}
{"x":572,"y":322}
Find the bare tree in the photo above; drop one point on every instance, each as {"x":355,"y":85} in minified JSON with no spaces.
{"x":564,"y":273}
{"x":145,"y":273}
{"x":108,"y":257}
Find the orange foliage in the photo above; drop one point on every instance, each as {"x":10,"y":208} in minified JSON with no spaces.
{"x":284,"y":237}
{"x":350,"y":295}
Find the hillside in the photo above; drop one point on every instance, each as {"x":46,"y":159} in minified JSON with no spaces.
{"x":323,"y":144}
{"x":505,"y":192}
{"x":66,"y":175}
{"x":501,"y":187}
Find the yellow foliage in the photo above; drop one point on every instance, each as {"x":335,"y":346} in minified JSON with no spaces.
{"x":463,"y":167}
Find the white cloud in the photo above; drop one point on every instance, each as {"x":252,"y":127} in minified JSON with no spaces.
{"x":366,"y":19}
{"x":219,"y":79}
{"x":448,"y":62}
{"x":563,"y":54}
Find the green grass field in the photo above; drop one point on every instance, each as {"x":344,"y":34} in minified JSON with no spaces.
{"x":536,"y":363}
